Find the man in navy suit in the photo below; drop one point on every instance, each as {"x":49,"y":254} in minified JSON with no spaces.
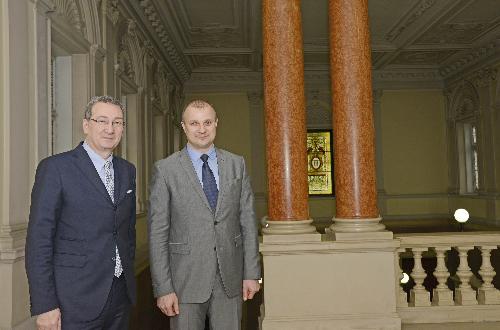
{"x":80,"y":245}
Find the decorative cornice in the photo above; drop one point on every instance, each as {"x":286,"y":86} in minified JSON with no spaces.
{"x":150,"y":13}
{"x":424,"y":6}
{"x":398,"y":75}
{"x":483,"y":77}
{"x":474,"y":56}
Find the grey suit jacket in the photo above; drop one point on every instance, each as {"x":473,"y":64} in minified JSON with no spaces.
{"x":187,"y":241}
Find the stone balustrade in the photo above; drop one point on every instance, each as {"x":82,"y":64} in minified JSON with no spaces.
{"x":452,"y":278}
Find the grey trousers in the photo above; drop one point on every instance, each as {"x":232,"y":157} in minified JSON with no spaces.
{"x":223,"y":312}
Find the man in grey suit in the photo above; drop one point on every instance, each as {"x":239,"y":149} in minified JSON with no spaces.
{"x":202,"y":230}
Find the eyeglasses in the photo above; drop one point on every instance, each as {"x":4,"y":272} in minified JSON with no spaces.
{"x":105,"y":122}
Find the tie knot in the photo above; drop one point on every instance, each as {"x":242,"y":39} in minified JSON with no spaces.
{"x":107,"y":164}
{"x":204,"y":158}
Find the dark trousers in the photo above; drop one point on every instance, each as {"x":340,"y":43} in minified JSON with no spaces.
{"x":114,"y":315}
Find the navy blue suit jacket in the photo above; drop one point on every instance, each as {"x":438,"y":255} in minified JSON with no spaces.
{"x":73,"y":229}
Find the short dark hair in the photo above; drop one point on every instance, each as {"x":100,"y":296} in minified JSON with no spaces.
{"x":101,"y":99}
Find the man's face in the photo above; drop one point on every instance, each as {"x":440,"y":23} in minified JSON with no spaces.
{"x":200,"y":126}
{"x":105,"y":128}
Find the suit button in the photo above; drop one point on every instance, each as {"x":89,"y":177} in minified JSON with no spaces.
{"x":114,"y":232}
{"x":216,"y":223}
{"x":215,"y":248}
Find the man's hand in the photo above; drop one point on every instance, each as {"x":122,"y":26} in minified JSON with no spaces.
{"x":168,"y":304}
{"x":250,"y":288}
{"x":50,"y":320}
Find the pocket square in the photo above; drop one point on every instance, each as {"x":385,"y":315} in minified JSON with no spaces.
{"x":129,"y":191}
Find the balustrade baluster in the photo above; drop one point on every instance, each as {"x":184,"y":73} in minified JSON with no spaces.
{"x":464,"y":294}
{"x":442,"y":295}
{"x":487,"y":293}
{"x":418,"y":295}
{"x":401,"y":294}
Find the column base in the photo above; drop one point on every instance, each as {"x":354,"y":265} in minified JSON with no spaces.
{"x":364,"y":225}
{"x":295,"y":227}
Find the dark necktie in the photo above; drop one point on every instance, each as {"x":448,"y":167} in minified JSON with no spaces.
{"x":209,"y":183}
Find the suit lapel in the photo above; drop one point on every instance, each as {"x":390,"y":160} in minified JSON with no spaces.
{"x":84,"y":163}
{"x":221,"y":164}
{"x":121,"y":179}
{"x":187,"y":165}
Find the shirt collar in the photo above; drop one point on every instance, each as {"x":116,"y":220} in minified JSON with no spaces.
{"x":195,"y":155}
{"x":95,"y":157}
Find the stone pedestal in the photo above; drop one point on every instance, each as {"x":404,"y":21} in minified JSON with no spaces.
{"x":346,"y":283}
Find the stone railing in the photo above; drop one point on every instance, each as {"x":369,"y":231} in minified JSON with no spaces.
{"x":452,"y":278}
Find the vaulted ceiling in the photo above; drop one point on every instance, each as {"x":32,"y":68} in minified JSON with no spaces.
{"x":437,"y":38}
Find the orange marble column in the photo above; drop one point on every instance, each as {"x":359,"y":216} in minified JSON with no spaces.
{"x":284,"y":103}
{"x":353,"y":128}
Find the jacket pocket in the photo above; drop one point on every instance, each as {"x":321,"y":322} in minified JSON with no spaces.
{"x":179,"y":248}
{"x":69,"y":260}
{"x":71,"y":246}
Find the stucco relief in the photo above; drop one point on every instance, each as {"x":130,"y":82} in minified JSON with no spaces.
{"x":132,"y":55}
{"x":465,"y":101}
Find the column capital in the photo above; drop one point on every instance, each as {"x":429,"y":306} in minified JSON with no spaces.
{"x":98,"y":52}
{"x":44,"y":6}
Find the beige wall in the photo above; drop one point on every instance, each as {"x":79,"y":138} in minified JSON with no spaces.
{"x":414,"y":152}
{"x":414,"y":142}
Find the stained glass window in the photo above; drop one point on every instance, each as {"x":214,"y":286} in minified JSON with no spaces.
{"x":319,"y":162}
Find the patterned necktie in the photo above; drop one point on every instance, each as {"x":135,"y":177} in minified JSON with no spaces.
{"x":209,"y":183}
{"x":110,"y":187}
{"x":108,"y":180}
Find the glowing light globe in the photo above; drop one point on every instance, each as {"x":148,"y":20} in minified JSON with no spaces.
{"x":405,"y":278}
{"x":461,"y":215}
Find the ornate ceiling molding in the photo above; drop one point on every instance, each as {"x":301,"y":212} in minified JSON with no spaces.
{"x":471,"y":57}
{"x":150,"y":13}
{"x":409,"y":19}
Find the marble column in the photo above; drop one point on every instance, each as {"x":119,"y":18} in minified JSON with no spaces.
{"x":353,"y":127}
{"x":285,"y":117}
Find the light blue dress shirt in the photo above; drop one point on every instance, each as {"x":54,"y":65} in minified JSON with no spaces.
{"x":198,"y":163}
{"x":98,"y":162}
